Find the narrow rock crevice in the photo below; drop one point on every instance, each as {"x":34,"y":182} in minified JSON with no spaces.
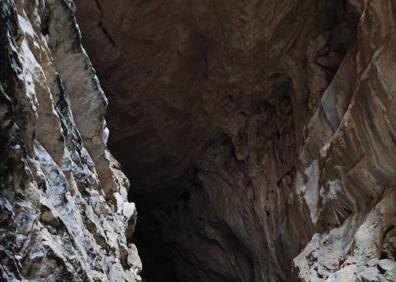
{"x":101,"y":25}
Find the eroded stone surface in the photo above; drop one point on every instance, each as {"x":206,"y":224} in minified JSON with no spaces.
{"x":59,"y":220}
{"x":260,"y":134}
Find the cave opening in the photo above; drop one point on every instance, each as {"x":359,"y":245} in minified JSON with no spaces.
{"x":207,"y":116}
{"x":259,"y":138}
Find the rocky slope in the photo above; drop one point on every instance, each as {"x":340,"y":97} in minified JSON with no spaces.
{"x":260,"y":134}
{"x":64,"y":214}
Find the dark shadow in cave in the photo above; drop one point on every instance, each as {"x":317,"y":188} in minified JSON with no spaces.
{"x":154,"y":252}
{"x":157,"y":254}
{"x":134,"y":91}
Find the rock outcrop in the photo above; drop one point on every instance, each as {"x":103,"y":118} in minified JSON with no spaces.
{"x":260,"y":135}
{"x":64,"y":214}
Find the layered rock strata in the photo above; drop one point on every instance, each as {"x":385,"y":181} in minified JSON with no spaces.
{"x":64,"y":214}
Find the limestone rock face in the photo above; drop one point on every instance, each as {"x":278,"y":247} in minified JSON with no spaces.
{"x":260,"y":135}
{"x":64,"y":213}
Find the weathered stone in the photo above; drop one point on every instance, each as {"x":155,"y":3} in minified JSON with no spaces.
{"x":55,"y":170}
{"x":260,"y":134}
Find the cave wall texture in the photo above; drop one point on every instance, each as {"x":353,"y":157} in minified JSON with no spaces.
{"x":64,"y":214}
{"x":259,"y":135}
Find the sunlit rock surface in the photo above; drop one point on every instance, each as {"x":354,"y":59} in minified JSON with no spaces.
{"x":64,"y":214}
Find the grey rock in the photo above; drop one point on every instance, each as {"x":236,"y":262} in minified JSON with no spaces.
{"x":58,"y":222}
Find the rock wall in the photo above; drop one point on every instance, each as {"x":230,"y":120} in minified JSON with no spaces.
{"x":260,"y":135}
{"x":64,"y":214}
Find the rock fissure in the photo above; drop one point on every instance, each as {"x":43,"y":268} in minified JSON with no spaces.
{"x":100,"y":23}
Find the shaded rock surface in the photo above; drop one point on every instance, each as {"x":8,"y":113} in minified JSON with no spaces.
{"x":64,"y":212}
{"x":260,"y":135}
